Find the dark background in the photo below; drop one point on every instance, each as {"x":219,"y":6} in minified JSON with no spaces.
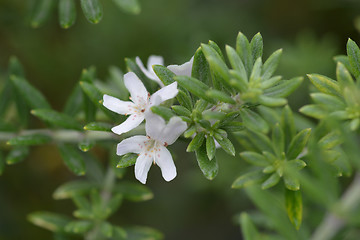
{"x":189,"y":207}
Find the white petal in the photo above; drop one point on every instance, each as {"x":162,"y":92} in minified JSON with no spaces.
{"x":165,"y":93}
{"x":157,"y":129}
{"x":164,"y":159}
{"x":175,"y":127}
{"x":154,"y":125}
{"x":116,"y":105}
{"x":184,"y":69}
{"x":154,"y":60}
{"x":130,"y":123}
{"x":142,"y":166}
{"x":133,"y":144}
{"x":143,"y":69}
{"x":137,"y":90}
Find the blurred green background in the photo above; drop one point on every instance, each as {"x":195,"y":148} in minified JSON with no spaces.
{"x":189,"y":207}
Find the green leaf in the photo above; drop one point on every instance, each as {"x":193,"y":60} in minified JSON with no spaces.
{"x":163,"y":112}
{"x":127,"y":160}
{"x":106,"y":229}
{"x":210,"y":147}
{"x":254,"y":158}
{"x":130,"y":6}
{"x":272,"y":102}
{"x":354,"y":57}
{"x":331,"y":140}
{"x":270,"y":82}
{"x":236,"y":62}
{"x":253,"y":121}
{"x":248,"y":179}
{"x":41,"y":12}
{"x":255,"y":76}
{"x":208,"y":167}
{"x":291,"y":182}
{"x":284,"y":88}
{"x":344,"y":60}
{"x":244,"y":50}
{"x":256,"y":46}
{"x":220,"y":96}
{"x":315,"y":111}
{"x":51,"y":221}
{"x":134,"y":192}
{"x":278,"y":139}
{"x":16,"y":155}
{"x":271,"y":181}
{"x":98,"y":126}
{"x":330,"y":101}
{"x":271,"y":64}
{"x":343,"y":76}
{"x":57,"y":119}
{"x":248,"y":228}
{"x":298,"y":144}
{"x":85,"y":145}
{"x":33,"y":97}
{"x":28,"y":140}
{"x":288,"y":124}
{"x":166,"y":76}
{"x":181,"y":111}
{"x":196,"y":87}
{"x":74,"y":103}
{"x":325,"y":84}
{"x":92,"y":10}
{"x":73,"y":159}
{"x":184,"y":99}
{"x":67,"y":13}
{"x":226,"y":144}
{"x":261,"y":141}
{"x":73,"y":188}
{"x":293,"y":203}
{"x":196,"y":142}
{"x":217,"y":64}
{"x":200,"y":68}
{"x":78,"y":226}
{"x":133,"y":67}
{"x":238,"y":81}
{"x":137,"y":233}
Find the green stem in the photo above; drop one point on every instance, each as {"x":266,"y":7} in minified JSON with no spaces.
{"x":333,"y":222}
{"x":109,"y":182}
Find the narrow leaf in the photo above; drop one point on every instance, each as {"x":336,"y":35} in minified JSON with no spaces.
{"x":127,"y":160}
{"x":92,"y":10}
{"x":130,"y":6}
{"x":195,"y":87}
{"x":200,"y":69}
{"x":196,"y":142}
{"x":248,"y":228}
{"x":256,"y":46}
{"x":210,"y":147}
{"x":56,"y":118}
{"x":353,"y":52}
{"x":28,"y":140}
{"x":244,"y":50}
{"x":248,"y":179}
{"x":293,"y":203}
{"x":98,"y":126}
{"x":67,"y":13}
{"x":208,"y":167}
{"x":41,"y":12}
{"x":271,"y":181}
{"x":254,"y":158}
{"x":253,"y":121}
{"x":325,"y":84}
{"x":16,"y":155}
{"x":51,"y":221}
{"x":284,"y":88}
{"x":298,"y":144}
{"x":73,"y":188}
{"x":134,"y":192}
{"x":73,"y":159}
{"x":271,"y":64}
{"x":33,"y":97}
{"x":226,"y":145}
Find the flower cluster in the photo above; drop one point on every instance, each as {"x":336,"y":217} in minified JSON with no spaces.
{"x":150,"y":148}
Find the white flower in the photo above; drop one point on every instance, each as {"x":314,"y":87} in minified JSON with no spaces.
{"x":152,"y":148}
{"x":184,"y":69}
{"x":141,"y":101}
